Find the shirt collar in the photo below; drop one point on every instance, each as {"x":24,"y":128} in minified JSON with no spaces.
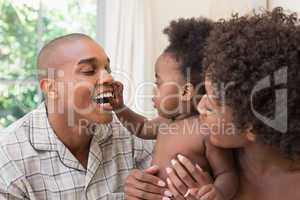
{"x":42,"y":136}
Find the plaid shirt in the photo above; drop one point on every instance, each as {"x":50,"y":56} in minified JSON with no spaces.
{"x":35,"y":164}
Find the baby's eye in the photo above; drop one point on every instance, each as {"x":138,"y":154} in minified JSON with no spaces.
{"x":209,"y":109}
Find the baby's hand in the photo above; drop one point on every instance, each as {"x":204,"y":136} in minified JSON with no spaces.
{"x":117,"y":102}
{"x":206,"y":192}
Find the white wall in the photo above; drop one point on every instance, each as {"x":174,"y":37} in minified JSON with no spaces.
{"x":163,"y":11}
{"x":292,"y":5}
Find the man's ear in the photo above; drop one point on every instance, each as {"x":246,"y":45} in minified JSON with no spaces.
{"x":250,"y":135}
{"x":48,"y":88}
{"x":188,"y":92}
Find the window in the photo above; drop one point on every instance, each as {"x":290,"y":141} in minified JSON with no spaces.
{"x":25,"y":26}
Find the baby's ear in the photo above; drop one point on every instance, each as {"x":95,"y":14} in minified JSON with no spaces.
{"x":188,"y":91}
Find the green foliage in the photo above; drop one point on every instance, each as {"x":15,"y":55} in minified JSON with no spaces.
{"x":19,"y":45}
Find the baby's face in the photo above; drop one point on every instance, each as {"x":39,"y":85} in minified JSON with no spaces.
{"x":169,"y":81}
{"x":183,"y":138}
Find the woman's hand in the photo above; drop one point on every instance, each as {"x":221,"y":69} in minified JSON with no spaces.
{"x":184,"y":175}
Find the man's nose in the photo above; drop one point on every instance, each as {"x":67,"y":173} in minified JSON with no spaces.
{"x":105,"y":78}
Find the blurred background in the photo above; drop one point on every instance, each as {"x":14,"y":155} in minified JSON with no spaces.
{"x":129,"y":30}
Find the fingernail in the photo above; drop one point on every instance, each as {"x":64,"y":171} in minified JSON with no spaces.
{"x":194,"y":191}
{"x":161,"y":184}
{"x":188,"y":192}
{"x":165,"y":198}
{"x":198,"y":167}
{"x":154,"y":166}
{"x":180,"y":157}
{"x":168,"y":181}
{"x":173,"y":162}
{"x":168,"y":193}
{"x":169,"y":170}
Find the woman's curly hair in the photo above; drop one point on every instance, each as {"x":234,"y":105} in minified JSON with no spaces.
{"x":187,"y":39}
{"x":254,"y":51}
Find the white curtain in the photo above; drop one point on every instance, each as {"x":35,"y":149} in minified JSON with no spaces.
{"x":126,"y":37}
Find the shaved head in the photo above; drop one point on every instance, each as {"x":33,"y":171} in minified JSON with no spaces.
{"x":73,"y":70}
{"x":50,"y":56}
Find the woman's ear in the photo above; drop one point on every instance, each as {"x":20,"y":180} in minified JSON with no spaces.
{"x":250,"y":134}
{"x":188,"y":91}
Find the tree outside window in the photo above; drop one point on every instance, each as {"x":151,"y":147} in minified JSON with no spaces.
{"x":25,"y":26}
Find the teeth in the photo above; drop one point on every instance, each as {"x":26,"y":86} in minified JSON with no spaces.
{"x":104,"y":95}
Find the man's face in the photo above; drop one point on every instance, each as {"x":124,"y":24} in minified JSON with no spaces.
{"x":86,"y":82}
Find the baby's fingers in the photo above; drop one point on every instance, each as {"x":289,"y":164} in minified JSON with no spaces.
{"x":118,"y":85}
{"x":192,"y":194}
{"x":198,"y":174}
{"x":207,"y":192}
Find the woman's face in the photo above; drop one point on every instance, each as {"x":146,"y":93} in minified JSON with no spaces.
{"x":169,"y":81}
{"x":218,"y":118}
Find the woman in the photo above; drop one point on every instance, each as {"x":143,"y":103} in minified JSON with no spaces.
{"x":252,"y":97}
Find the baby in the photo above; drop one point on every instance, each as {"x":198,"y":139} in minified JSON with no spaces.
{"x":178,"y":90}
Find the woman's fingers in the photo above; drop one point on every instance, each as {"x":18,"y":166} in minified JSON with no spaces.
{"x":175,"y":193}
{"x":176,"y":181}
{"x":183,"y":174}
{"x":197,"y":173}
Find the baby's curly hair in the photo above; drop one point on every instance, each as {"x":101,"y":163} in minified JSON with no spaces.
{"x":187,"y":39}
{"x":263,"y":47}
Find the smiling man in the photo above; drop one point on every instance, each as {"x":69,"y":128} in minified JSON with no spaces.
{"x":71,"y":146}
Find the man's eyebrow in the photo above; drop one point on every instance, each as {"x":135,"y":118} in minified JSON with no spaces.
{"x":92,"y":60}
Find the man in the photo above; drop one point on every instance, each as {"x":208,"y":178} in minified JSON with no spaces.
{"x":71,"y":146}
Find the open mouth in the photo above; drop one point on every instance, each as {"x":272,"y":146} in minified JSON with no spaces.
{"x":103,"y":98}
